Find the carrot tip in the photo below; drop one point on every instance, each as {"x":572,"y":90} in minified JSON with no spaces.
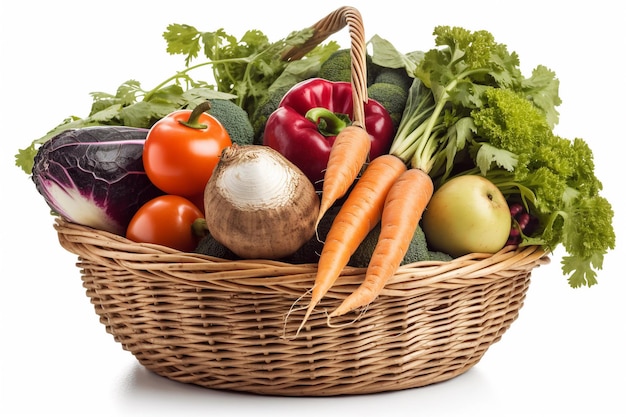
{"x":339,"y":311}
{"x":306,"y":317}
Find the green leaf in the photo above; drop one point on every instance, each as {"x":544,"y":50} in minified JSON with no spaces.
{"x":386,"y":55}
{"x":169,"y":94}
{"x":302,"y":69}
{"x":487,"y":155}
{"x":144,"y":114}
{"x":542,"y":88}
{"x":127,"y":92}
{"x":218,"y":44}
{"x":24,"y":158}
{"x":107,"y":114}
{"x":182,"y":39}
{"x":99,"y":105}
{"x":101,"y":96}
{"x":69,"y":123}
{"x":581,"y":269}
{"x":205,"y":94}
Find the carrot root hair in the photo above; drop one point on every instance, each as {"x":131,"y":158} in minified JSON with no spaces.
{"x":358,"y":215}
{"x":403,"y":209}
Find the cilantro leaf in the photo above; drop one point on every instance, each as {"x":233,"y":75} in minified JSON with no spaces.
{"x":183,"y":39}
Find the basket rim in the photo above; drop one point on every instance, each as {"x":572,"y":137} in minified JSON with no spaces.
{"x":196,"y":268}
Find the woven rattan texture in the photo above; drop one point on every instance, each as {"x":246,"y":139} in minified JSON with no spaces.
{"x":231,"y":324}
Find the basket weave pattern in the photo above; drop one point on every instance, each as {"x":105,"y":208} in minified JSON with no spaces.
{"x":231,"y":324}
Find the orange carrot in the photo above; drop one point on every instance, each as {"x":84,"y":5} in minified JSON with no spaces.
{"x":358,"y":215}
{"x":404,"y":205}
{"x":347,"y":156}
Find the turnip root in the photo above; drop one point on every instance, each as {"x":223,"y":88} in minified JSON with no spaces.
{"x":258,"y":204}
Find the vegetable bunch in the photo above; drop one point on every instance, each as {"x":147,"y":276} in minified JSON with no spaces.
{"x":245,"y":70}
{"x":552,"y":177}
{"x":468,"y":110}
{"x":471,"y":111}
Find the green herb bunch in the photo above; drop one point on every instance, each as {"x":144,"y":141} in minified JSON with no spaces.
{"x":243,"y":71}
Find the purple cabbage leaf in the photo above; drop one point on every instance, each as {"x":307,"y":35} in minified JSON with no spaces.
{"x":94,"y":176}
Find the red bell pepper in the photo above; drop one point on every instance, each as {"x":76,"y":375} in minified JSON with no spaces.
{"x":309,"y":118}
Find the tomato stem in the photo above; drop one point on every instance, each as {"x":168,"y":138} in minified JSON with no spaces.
{"x":192,"y":122}
{"x":199,"y":228}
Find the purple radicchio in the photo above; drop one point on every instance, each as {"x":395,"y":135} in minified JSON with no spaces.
{"x":94,"y":176}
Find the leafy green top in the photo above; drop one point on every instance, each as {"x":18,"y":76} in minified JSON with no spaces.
{"x":249,"y":66}
{"x":470,"y":110}
{"x":553,"y":177}
{"x":243,"y":70}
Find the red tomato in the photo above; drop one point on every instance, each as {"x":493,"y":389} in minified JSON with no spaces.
{"x":166,"y":220}
{"x":182,"y":150}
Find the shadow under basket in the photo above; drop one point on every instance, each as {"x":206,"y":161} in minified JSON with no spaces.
{"x":232,"y":325}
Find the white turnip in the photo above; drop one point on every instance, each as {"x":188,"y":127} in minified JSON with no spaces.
{"x":258,"y":204}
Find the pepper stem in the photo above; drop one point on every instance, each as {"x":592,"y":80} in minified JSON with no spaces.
{"x":328,"y":123}
{"x":192,"y":122}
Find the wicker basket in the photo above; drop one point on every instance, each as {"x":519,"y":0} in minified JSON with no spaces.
{"x":232,"y":324}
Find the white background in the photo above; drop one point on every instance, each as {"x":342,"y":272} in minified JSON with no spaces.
{"x":563,"y":356}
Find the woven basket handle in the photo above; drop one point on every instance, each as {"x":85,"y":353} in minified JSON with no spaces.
{"x":329,"y":25}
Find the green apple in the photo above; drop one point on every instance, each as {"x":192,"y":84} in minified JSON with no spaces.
{"x":467,"y":214}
